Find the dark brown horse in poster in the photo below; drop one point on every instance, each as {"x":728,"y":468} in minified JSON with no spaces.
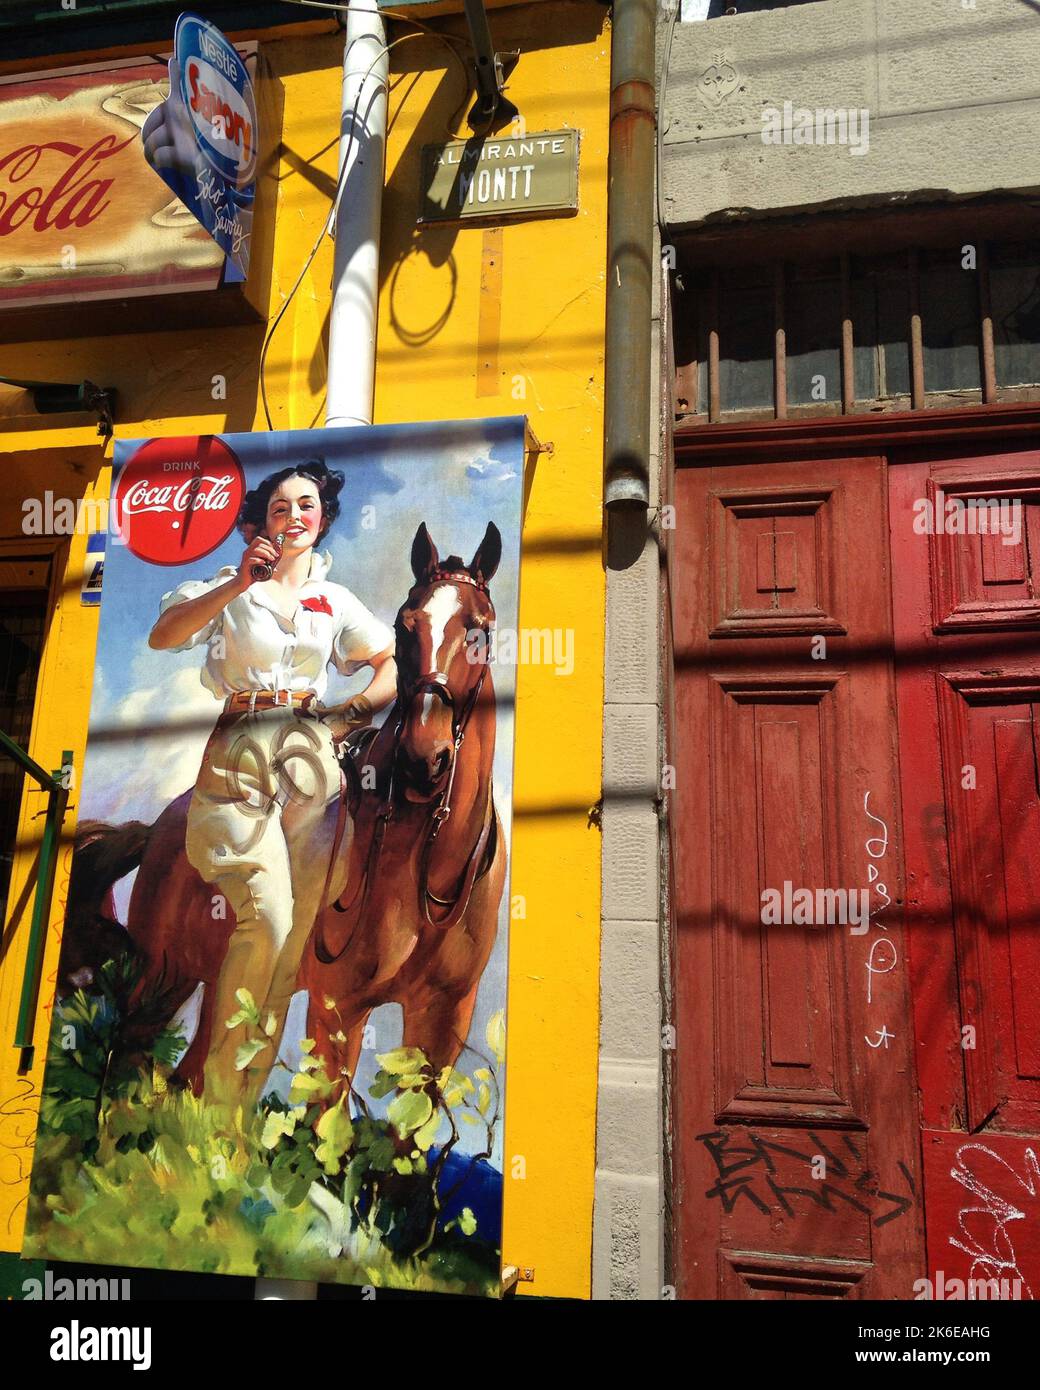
{"x":412,"y":850}
{"x":418,"y":918}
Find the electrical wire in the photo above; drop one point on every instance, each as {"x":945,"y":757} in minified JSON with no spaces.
{"x":340,"y":9}
{"x":329,"y":222}
{"x":425,"y":29}
{"x":449,"y":40}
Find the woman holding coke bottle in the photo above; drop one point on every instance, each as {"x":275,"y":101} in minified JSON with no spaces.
{"x":271,"y":626}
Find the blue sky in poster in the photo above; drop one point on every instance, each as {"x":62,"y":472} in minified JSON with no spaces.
{"x":151,"y":715}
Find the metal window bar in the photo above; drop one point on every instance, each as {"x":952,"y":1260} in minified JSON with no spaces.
{"x":780,"y":343}
{"x":987,"y":354}
{"x":57,"y":801}
{"x":848,"y":355}
{"x":686,"y":372}
{"x":714,"y":405}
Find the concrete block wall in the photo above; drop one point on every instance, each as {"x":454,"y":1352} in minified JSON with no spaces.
{"x":627,"y":1225}
{"x":952,"y":91}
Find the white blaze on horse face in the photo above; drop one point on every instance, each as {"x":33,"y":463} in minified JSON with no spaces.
{"x":442,"y":605}
{"x":428,"y":703}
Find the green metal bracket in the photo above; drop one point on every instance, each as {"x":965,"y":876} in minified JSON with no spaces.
{"x":55,"y":785}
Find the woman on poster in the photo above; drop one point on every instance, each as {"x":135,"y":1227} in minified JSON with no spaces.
{"x":269,"y":770}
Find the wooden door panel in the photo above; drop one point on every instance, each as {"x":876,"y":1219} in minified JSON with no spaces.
{"x":796,"y":1140}
{"x":749,"y":1276}
{"x":784,"y":1027}
{"x":984,"y":582}
{"x":810,"y":1194}
{"x":776,"y":568}
{"x":968,"y":684}
{"x":988,"y":735}
{"x":929,"y":911}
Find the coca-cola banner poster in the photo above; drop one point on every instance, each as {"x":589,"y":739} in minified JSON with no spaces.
{"x":278,"y":1041}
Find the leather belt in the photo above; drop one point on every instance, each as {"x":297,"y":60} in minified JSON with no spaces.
{"x":249,"y":701}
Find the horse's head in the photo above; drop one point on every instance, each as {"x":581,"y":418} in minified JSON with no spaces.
{"x":442,"y":652}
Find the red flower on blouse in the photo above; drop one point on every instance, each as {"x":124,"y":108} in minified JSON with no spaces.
{"x":319,"y":604}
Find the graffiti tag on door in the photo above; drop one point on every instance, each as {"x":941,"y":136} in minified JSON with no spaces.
{"x":998,"y":1196}
{"x":765,"y":1173}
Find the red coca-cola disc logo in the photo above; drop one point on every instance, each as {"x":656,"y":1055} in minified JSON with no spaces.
{"x":178,"y":499}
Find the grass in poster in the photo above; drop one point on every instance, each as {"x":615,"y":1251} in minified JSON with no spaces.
{"x":315,"y":1186}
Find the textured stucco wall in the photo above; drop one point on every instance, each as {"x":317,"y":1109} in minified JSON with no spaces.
{"x":953,"y":95}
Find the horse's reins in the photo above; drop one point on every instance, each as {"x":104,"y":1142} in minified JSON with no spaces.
{"x":479,"y":860}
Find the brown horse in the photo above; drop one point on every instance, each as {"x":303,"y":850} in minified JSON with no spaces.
{"x":415,"y":865}
{"x":418,"y":918}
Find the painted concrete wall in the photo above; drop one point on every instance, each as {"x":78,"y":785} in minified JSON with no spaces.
{"x":472,"y":323}
{"x":952,"y":90}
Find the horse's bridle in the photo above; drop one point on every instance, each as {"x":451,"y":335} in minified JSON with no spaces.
{"x":432,"y":682}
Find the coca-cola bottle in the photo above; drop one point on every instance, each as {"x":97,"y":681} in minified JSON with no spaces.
{"x":262,"y":570}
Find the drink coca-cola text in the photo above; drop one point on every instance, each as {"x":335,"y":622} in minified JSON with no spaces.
{"x":213,"y":496}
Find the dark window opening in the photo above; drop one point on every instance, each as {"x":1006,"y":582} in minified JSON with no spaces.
{"x":857,"y":333}
{"x":23,"y":616}
{"x":746,"y":342}
{"x":1014,"y":278}
{"x":950,"y":328}
{"x":812,"y":320}
{"x":880,"y":314}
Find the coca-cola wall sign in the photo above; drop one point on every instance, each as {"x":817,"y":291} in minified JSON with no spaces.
{"x":82,"y":216}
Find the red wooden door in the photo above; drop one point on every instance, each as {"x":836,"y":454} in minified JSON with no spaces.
{"x":795,"y":1119}
{"x":967,"y":618}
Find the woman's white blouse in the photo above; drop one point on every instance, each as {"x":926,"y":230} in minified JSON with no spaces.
{"x":253,"y":647}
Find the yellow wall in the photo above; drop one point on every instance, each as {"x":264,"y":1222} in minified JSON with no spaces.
{"x":473,"y":322}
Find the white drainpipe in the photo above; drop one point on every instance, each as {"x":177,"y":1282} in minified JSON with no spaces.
{"x":355,"y":270}
{"x":355,"y":290}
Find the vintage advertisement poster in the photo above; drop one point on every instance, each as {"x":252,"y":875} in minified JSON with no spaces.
{"x":278,"y":1041}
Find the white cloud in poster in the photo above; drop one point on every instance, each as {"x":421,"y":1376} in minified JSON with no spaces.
{"x":490,"y":470}
{"x":152,"y":745}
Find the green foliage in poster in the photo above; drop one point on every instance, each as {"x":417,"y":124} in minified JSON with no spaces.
{"x":301,"y":1186}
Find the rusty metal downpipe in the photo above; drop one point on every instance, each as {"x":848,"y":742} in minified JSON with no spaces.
{"x":630,"y":255}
